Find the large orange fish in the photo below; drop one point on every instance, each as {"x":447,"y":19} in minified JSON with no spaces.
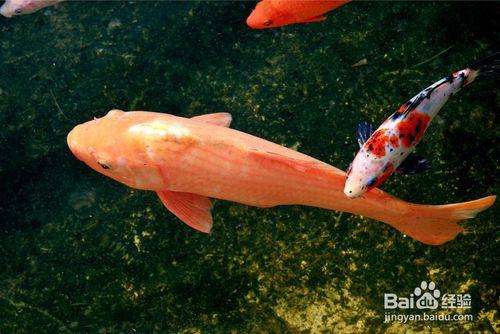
{"x":188,"y":161}
{"x":278,"y":13}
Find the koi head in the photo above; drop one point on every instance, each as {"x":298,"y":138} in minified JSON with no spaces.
{"x":365,"y":173}
{"x":108,"y":146}
{"x":20,"y":7}
{"x":265,"y":15}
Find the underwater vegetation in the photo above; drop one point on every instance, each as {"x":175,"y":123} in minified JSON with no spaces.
{"x":80,"y":253}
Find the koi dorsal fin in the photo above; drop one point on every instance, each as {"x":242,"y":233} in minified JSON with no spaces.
{"x":221,"y":119}
{"x":194,"y":210}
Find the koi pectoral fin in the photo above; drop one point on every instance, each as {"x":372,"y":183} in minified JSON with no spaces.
{"x":413,"y":164}
{"x":194,"y":210}
{"x":363,"y":132}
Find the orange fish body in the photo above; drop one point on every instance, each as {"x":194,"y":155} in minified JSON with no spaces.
{"x":278,"y":13}
{"x":188,"y":161}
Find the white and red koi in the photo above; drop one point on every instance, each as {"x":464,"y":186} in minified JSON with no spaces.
{"x":388,"y":148}
{"x":21,"y":7}
{"x":188,"y":161}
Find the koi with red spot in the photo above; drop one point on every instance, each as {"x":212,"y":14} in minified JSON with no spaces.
{"x":388,"y":148}
{"x":278,"y":13}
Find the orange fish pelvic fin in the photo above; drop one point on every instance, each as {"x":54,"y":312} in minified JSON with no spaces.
{"x":193,"y":210}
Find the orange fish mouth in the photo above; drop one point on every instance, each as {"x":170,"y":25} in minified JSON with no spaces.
{"x":71,"y":140}
{"x":253,"y":21}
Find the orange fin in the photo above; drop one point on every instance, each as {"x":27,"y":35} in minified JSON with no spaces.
{"x":305,"y":166}
{"x":314,"y":19}
{"x":192,"y":209}
{"x":221,"y":119}
{"x":437,"y":224}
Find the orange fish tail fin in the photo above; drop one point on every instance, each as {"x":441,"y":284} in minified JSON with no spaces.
{"x":437,"y":224}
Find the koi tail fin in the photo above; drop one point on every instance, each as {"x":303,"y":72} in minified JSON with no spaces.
{"x":487,"y":68}
{"x":437,"y":224}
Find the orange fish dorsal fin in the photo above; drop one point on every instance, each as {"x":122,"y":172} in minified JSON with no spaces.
{"x":305,"y":166}
{"x":221,"y":119}
{"x":192,"y":209}
{"x":314,"y":19}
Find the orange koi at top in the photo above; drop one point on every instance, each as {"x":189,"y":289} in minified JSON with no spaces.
{"x":278,"y":13}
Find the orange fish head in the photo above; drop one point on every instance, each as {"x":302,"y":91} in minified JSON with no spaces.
{"x":109,"y":147}
{"x":365,"y":173}
{"x":12,"y":8}
{"x":265,"y":15}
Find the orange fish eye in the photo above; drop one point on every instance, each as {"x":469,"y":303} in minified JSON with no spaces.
{"x":103,"y":164}
{"x":267,"y":23}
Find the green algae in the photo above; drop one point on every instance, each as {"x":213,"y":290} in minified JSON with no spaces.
{"x":81,"y":253}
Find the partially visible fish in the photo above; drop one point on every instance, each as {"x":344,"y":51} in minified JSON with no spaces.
{"x":278,"y":13}
{"x":21,"y":7}
{"x":188,"y":161}
{"x":387,"y":150}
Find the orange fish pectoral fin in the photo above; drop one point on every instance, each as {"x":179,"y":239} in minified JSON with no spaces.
{"x":221,"y":119}
{"x":194,"y":210}
{"x":314,"y":19}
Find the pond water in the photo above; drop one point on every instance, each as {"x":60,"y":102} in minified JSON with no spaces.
{"x":84,"y":254}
